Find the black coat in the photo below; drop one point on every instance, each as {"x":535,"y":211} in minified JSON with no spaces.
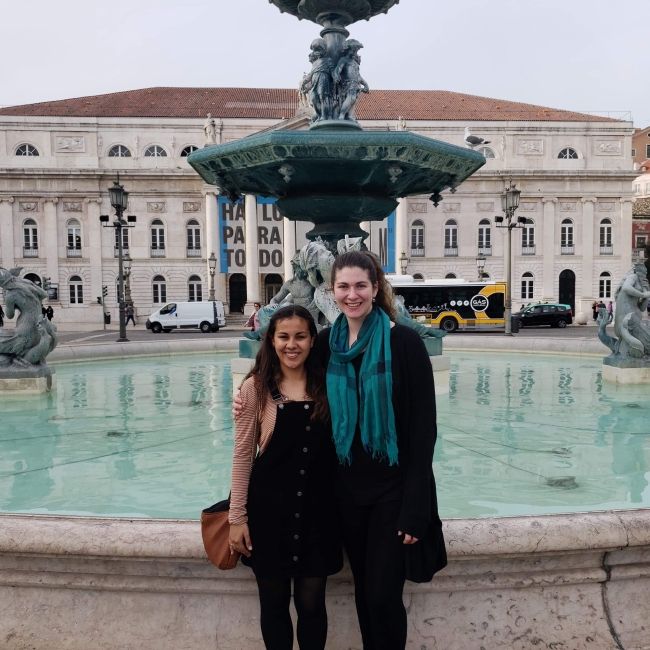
{"x":414,"y":404}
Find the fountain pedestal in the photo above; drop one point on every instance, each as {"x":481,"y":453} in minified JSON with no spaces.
{"x":27,"y":381}
{"x":631,"y":372}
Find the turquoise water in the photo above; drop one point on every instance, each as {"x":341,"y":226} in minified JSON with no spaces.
{"x":518,"y":434}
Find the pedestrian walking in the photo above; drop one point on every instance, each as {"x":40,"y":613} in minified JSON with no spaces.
{"x":2,"y":316}
{"x":130,"y":314}
{"x":253,"y":322}
{"x":49,"y":312}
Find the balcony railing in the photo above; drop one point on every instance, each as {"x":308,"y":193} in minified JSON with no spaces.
{"x":193,"y":252}
{"x":116,"y":251}
{"x":567,"y":250}
{"x":417,"y":252}
{"x":485,"y":250}
{"x":606,"y":250}
{"x":73,"y":252}
{"x":157,"y":252}
{"x":32,"y":251}
{"x":451,"y":252}
{"x":528,"y":250}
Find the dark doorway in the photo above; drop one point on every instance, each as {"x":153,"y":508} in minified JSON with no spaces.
{"x":237,"y":286}
{"x":568,"y":288}
{"x":272,"y":284}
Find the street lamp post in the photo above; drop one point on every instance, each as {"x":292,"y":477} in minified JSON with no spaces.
{"x":119,"y":198}
{"x":212,"y":267}
{"x":403,"y":262}
{"x":480,"y":265}
{"x":509,"y":204}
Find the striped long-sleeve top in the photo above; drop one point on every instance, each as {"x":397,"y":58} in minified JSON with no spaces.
{"x":242,"y":457}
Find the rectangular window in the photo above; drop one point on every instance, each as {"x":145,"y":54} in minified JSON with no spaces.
{"x":125,"y":238}
{"x":647,"y":151}
{"x":76,"y":294}
{"x":157,"y":238}
{"x":605,"y":288}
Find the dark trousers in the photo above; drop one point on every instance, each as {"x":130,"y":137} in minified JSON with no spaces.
{"x":376,"y":556}
{"x":130,"y":318}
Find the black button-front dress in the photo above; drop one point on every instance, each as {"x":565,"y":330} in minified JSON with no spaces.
{"x":292,"y":514}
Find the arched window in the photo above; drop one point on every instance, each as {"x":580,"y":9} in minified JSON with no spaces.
{"x":155,"y":151}
{"x":450,"y":276}
{"x":606,"y":247}
{"x":76,"y":290}
{"x":159,"y":289}
{"x":417,"y":239}
{"x":568,"y":154}
{"x":451,"y":238}
{"x":188,"y":150}
{"x":157,"y":238}
{"x":528,"y":238}
{"x":194,"y":289}
{"x":193,"y":238}
{"x":30,"y":238}
{"x":32,"y":277}
{"x":26,"y":150}
{"x":566,"y":237}
{"x":605,"y":285}
{"x":418,"y":276}
{"x":527,"y":286}
{"x":74,"y":238}
{"x":486,"y":152}
{"x":484,"y":237}
{"x":119,"y":151}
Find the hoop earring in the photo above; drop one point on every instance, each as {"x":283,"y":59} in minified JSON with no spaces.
{"x":374,"y":300}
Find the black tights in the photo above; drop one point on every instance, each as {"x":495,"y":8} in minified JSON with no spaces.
{"x":309,"y":600}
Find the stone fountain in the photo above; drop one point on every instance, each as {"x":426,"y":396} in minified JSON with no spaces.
{"x":335,"y":174}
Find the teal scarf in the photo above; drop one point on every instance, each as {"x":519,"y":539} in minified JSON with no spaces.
{"x":376,"y":417}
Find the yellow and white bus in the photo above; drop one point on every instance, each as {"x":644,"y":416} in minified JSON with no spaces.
{"x":452,"y":304}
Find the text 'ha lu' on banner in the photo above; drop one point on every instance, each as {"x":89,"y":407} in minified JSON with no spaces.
{"x":232,"y":236}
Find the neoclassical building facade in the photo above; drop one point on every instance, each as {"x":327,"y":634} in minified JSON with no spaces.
{"x":58,"y":159}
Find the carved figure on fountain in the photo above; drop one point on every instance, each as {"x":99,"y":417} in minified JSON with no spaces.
{"x":631,"y":346}
{"x":34,"y":336}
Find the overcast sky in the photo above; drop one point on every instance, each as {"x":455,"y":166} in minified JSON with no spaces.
{"x":583,"y":55}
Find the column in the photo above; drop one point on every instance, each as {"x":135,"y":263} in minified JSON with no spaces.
{"x":213,"y":239}
{"x":401,"y":233}
{"x":587,"y":290}
{"x":252,"y":257}
{"x":7,"y":259}
{"x":548,"y":249}
{"x":289,"y":245}
{"x":93,"y":250}
{"x":624,"y":241}
{"x":49,"y":242}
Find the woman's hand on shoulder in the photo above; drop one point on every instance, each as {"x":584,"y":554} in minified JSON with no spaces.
{"x":237,"y":404}
{"x":240,"y":539}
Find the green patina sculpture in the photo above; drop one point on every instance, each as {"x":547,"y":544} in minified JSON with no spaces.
{"x":23,"y":350}
{"x":631,"y":346}
{"x":335,"y":174}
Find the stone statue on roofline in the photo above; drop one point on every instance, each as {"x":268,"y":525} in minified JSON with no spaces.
{"x":34,"y":336}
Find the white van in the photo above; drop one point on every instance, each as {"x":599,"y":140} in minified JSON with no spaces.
{"x":208,"y":316}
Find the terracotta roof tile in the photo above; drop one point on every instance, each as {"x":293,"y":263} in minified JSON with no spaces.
{"x":641,"y":208}
{"x":278,"y":103}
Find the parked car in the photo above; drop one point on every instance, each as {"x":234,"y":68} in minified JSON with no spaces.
{"x":208,"y":316}
{"x":546,"y":313}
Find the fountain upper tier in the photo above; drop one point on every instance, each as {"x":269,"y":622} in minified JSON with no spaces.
{"x":348,"y":11}
{"x":335,"y":177}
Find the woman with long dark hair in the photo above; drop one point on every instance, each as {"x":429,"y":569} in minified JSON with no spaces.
{"x":382,"y":404}
{"x":282,"y":515}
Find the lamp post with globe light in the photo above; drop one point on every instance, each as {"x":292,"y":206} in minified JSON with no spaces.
{"x":509,"y":204}
{"x":119,"y":198}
